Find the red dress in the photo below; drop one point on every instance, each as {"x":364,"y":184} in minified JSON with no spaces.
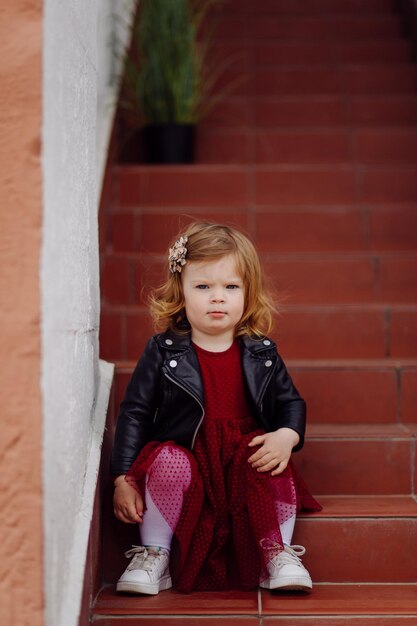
{"x":230,"y":516}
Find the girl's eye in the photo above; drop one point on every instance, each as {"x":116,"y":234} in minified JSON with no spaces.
{"x":232,"y":287}
{"x":202,"y":286}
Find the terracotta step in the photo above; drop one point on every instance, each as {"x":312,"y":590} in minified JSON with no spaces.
{"x":363,"y":605}
{"x":345,"y":521}
{"x":312,"y":111}
{"x":358,"y":459}
{"x":348,"y":331}
{"x":390,"y":398}
{"x":321,"y":229}
{"x":304,"y":7}
{"x":321,"y":146}
{"x":366,"y":80}
{"x":255,"y":55}
{"x":305,"y":332}
{"x":297,"y":279}
{"x":349,"y":27}
{"x":235,"y":187}
{"x":356,"y":540}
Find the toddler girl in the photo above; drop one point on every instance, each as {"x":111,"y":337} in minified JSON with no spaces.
{"x":206,"y":431}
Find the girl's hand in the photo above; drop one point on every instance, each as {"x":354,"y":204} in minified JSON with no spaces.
{"x":275,"y":451}
{"x":127,"y":502}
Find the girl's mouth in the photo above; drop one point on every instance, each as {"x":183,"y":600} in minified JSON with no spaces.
{"x":217,"y":314}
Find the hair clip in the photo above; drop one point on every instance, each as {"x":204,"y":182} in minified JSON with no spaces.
{"x":176,"y":257}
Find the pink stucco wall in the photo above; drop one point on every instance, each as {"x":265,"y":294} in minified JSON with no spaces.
{"x":21,"y":601}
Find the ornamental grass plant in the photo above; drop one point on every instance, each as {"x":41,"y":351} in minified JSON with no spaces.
{"x":166,"y":78}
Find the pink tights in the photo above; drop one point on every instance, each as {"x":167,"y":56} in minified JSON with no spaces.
{"x":167,"y":480}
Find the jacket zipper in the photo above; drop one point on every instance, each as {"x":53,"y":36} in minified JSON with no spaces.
{"x":196,"y":399}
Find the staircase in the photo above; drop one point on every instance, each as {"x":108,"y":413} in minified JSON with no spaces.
{"x":315,"y":156}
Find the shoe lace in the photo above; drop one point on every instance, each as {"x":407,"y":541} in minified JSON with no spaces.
{"x":142,"y":558}
{"x":283,"y":556}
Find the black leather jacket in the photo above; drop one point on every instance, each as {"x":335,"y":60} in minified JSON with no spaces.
{"x":164,"y":398}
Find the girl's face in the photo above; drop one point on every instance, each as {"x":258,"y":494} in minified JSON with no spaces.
{"x":214,"y":299}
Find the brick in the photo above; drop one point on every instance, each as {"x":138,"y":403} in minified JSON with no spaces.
{"x":159,"y":228}
{"x":138,"y":330}
{"x":298,"y":82}
{"x":115,"y":280}
{"x":130,"y":185}
{"x":318,"y":28}
{"x":111,"y":347}
{"x":403,"y":335}
{"x":304,"y":186}
{"x":356,"y":554}
{"x":302,"y":111}
{"x":307,"y":6}
{"x":347,"y":466}
{"x":194,"y":186}
{"x":230,"y":112}
{"x":311,"y":280}
{"x":384,"y":51}
{"x":302,"y":147}
{"x":380,"y":80}
{"x":332,"y":333}
{"x":409,"y":396}
{"x":386,"y":146}
{"x":385,"y":185}
{"x":122,"y":234}
{"x":398,"y":279}
{"x":383,"y":110}
{"x":373,"y":393}
{"x":393,"y":227}
{"x":224,"y":146}
{"x":315,"y":230}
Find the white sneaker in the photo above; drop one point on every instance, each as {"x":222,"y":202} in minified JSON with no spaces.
{"x":286,"y":571}
{"x":147,"y":572}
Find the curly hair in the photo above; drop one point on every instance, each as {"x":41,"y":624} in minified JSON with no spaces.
{"x":206,"y":242}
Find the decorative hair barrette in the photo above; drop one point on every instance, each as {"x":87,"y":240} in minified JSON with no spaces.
{"x":176,"y":257}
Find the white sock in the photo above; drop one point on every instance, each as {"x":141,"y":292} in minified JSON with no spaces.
{"x":154,"y":530}
{"x":287,"y":529}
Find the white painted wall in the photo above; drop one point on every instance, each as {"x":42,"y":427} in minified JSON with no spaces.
{"x":78,"y":108}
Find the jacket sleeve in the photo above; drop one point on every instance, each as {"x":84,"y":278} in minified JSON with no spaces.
{"x":291,"y":406}
{"x":137,"y":410}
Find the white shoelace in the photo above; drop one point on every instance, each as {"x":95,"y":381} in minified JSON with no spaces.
{"x":290,"y":555}
{"x":142,"y":558}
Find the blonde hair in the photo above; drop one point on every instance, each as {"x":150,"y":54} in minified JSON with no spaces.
{"x":207,"y":242}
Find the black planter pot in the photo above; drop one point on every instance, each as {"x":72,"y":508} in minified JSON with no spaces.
{"x":169,"y":143}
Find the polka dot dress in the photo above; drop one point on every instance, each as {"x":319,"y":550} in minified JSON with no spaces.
{"x":228,"y":526}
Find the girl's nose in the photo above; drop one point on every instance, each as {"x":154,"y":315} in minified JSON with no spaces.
{"x":217,"y":297}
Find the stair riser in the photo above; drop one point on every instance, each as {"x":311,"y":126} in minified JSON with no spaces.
{"x":254,"y":621}
{"x":305,"y":110}
{"x":237,"y":187}
{"x":365,"y":80}
{"x":354,"y":466}
{"x":321,"y":230}
{"x":334,"y":281}
{"x":328,"y":147}
{"x":364,"y":550}
{"x":252,"y":55}
{"x":380,"y":397}
{"x":307,"y":6}
{"x":313,"y":28}
{"x":303,"y":334}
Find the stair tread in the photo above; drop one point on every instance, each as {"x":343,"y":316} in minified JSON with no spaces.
{"x":326,"y":599}
{"x":365,"y":506}
{"x":359,"y":431}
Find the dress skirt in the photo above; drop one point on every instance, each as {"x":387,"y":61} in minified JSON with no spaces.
{"x":228,"y":527}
